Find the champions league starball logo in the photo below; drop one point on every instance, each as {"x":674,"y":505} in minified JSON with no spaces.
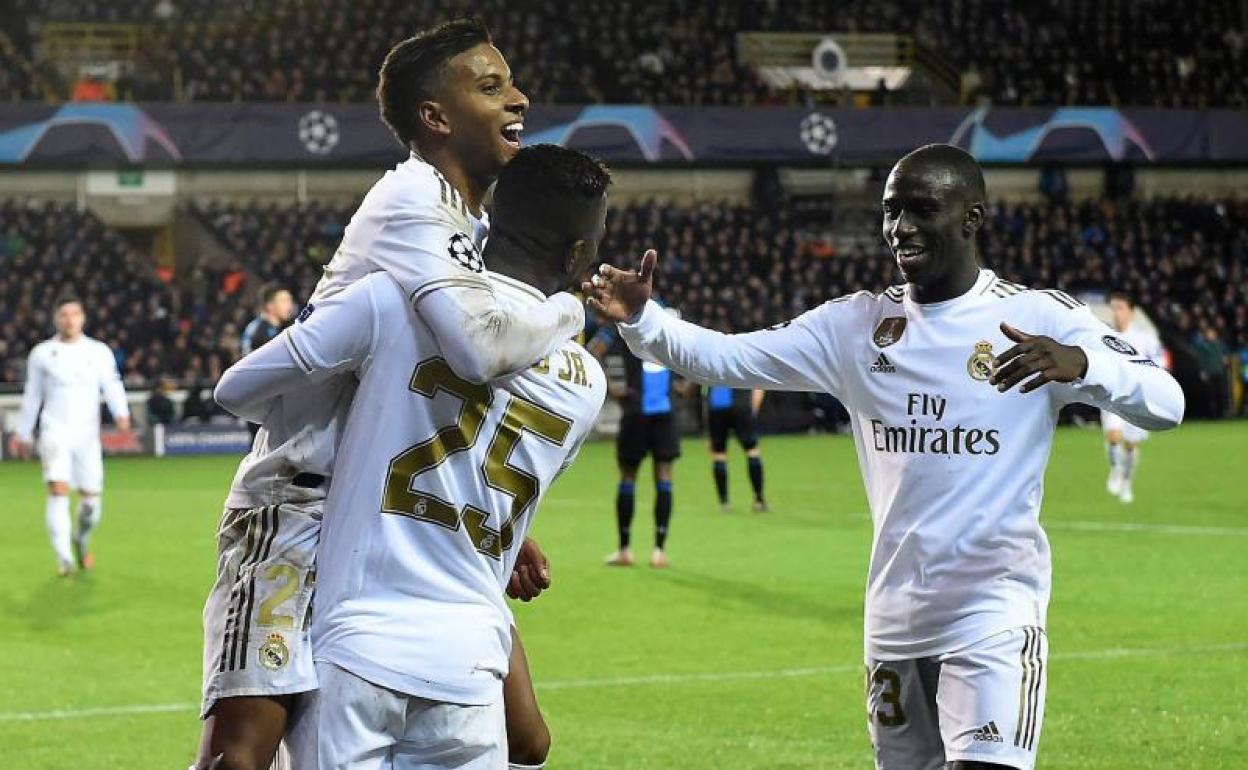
{"x":819,"y":133}
{"x":318,"y":131}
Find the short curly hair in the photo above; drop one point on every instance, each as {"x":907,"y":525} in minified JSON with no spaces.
{"x":407,"y":75}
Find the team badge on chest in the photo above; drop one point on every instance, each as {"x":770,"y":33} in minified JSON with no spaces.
{"x":889,"y":331}
{"x":979,"y":365}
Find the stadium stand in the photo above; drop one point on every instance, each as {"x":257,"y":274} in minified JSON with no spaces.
{"x":731,"y":266}
{"x":1055,"y":52}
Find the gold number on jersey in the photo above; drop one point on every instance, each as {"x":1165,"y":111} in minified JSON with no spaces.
{"x":428,"y":378}
{"x":890,"y":695}
{"x":523,"y":486}
{"x":521,"y":416}
{"x":288,"y":577}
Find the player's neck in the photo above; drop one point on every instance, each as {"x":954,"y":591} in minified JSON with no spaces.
{"x":472,"y":190}
{"x":67,"y":339}
{"x":505,"y":258}
{"x":950,"y":286}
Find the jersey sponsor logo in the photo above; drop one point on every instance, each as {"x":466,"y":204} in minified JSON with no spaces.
{"x":922,"y":439}
{"x":274,"y":654}
{"x":979,"y":365}
{"x":988,"y":732}
{"x":889,"y":331}
{"x":1119,"y":345}
{"x":882,"y":365}
{"x":1144,"y":362}
{"x":306,"y":313}
{"x":464,"y":252}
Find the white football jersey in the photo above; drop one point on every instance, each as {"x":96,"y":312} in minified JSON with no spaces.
{"x":413,"y":225}
{"x":67,"y":380}
{"x":954,"y":469}
{"x":1145,"y":342}
{"x":435,"y":485}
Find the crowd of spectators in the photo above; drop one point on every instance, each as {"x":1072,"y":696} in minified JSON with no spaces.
{"x":1047,"y":52}
{"x":52,"y":250}
{"x":729,"y":266}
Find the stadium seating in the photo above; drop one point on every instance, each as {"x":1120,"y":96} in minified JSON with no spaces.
{"x":1056,"y":52}
{"x":729,"y":266}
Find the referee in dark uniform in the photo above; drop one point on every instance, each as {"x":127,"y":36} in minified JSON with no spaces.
{"x":647,"y":427}
{"x":735,"y":411}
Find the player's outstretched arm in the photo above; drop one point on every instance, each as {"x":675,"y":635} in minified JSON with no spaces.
{"x":1093,"y":367}
{"x":792,"y":356}
{"x":335,"y":337}
{"x":482,"y":341}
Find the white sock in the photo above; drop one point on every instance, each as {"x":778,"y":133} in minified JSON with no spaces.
{"x":515,"y":766}
{"x":1115,"y":456}
{"x":89,"y":511}
{"x":1130,"y":457}
{"x":60,"y":528}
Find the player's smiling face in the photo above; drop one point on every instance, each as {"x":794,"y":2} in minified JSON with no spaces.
{"x":484,"y":109}
{"x":924,"y":222}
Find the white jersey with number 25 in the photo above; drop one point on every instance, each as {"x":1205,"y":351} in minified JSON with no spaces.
{"x":435,"y":485}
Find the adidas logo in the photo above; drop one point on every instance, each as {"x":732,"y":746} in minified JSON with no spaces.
{"x":882,"y":364}
{"x":988,"y":732}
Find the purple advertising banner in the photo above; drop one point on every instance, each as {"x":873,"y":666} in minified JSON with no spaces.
{"x":167,"y":135}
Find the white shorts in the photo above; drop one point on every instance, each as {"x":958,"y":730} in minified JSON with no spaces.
{"x":363,"y":726}
{"x":1130,"y":433}
{"x":984,"y":703}
{"x":80,"y":463}
{"x":258,"y":613}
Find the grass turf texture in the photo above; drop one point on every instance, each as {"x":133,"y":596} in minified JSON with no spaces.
{"x":746,"y":654}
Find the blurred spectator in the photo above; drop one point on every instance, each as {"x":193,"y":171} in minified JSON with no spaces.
{"x":91,"y":88}
{"x":1212,"y":355}
{"x":160,"y":408}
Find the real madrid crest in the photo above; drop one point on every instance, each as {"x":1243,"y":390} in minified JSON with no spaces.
{"x":889,"y":331}
{"x":274,"y":653}
{"x":979,"y":365}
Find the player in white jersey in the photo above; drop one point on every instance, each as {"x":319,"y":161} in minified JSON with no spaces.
{"x":436,"y":482}
{"x":449,"y":97}
{"x":66,"y":377}
{"x":1122,"y":439}
{"x":952,"y":455}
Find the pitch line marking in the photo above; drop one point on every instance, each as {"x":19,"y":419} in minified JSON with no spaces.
{"x":632,"y":681}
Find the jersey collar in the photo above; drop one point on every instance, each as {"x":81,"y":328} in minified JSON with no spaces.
{"x":985,"y":279}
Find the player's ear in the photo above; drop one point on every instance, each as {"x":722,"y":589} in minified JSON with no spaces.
{"x":974,"y":219}
{"x":433,"y":118}
{"x":575,"y":256}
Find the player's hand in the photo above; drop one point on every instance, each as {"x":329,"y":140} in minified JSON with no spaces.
{"x":619,"y":295}
{"x":531,"y":574}
{"x":18,"y":448}
{"x":1048,"y":359}
{"x":123,"y":424}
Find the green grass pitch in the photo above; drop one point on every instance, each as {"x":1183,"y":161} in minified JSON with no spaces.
{"x":746,"y":654}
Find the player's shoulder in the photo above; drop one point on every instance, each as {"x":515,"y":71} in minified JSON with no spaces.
{"x":415,"y":189}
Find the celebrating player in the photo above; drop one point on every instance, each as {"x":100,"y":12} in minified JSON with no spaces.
{"x":951,"y":451}
{"x":66,"y":376}
{"x":449,"y":98}
{"x":726,"y":412}
{"x":437,"y":481}
{"x":1123,"y":439}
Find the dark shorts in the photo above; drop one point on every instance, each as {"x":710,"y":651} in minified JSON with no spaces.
{"x":735,"y":419}
{"x":642,"y":435}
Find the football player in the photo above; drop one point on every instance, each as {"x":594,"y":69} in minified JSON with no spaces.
{"x":952,"y":440}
